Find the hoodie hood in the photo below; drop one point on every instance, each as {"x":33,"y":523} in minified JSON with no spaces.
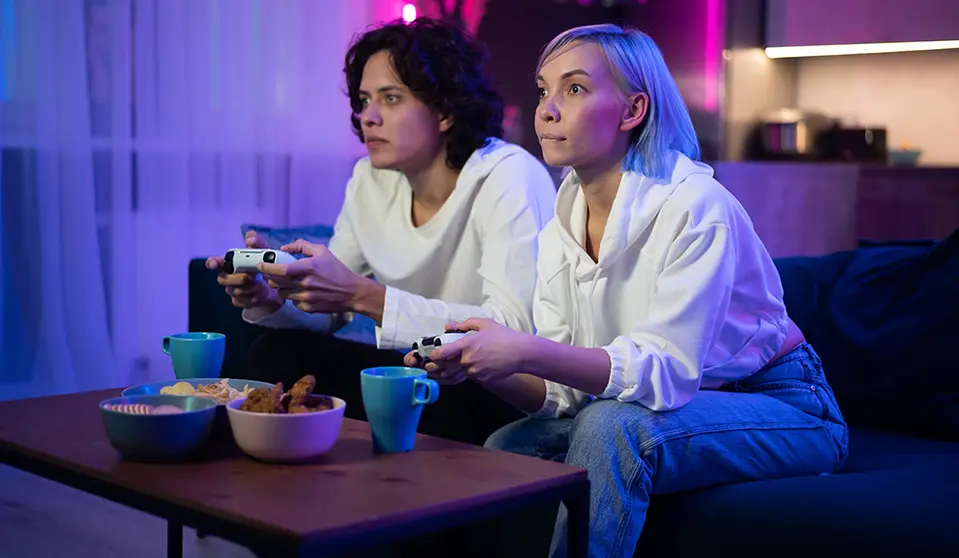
{"x":482,"y":162}
{"x":636,"y":206}
{"x":392,"y":183}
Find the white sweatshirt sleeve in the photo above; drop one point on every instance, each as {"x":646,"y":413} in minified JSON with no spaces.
{"x":659,"y":364}
{"x":511,"y":209}
{"x":343,"y":245}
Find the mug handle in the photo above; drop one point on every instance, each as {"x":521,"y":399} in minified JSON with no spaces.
{"x":166,"y":345}
{"x":432,"y":391}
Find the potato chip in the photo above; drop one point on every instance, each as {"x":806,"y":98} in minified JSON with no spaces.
{"x":221,"y":392}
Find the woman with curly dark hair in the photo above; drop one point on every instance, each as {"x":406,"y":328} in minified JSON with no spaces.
{"x":442,"y":213}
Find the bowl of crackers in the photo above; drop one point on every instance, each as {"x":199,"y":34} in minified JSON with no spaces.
{"x":274,"y":425}
{"x":158,"y":427}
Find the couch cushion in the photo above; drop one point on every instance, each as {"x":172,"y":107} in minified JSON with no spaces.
{"x":883,"y":320}
{"x":872,"y":450}
{"x":895,"y":496}
{"x":280,"y":236}
{"x":808,"y":284}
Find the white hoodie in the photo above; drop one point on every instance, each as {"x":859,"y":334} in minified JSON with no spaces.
{"x":475,"y":257}
{"x":684,"y":295}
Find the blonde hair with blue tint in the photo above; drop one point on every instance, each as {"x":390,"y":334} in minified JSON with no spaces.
{"x":638,"y":67}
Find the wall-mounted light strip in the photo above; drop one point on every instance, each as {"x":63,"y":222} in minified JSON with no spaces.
{"x":863,"y":48}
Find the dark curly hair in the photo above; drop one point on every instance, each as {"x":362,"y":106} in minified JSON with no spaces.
{"x":443,"y":68}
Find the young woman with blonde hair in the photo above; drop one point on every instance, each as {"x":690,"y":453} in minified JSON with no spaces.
{"x":663,"y":358}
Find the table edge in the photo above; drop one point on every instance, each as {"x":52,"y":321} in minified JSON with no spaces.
{"x":255,"y":534}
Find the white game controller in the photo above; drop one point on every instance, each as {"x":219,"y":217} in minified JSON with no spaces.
{"x":425,"y":346}
{"x":244,"y":260}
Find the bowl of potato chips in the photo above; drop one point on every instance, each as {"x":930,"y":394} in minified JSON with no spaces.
{"x":219,"y":390}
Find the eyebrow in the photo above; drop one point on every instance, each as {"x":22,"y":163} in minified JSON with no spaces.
{"x":569,"y":74}
{"x":386,"y":89}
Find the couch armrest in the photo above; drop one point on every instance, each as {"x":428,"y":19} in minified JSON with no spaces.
{"x":210,"y":310}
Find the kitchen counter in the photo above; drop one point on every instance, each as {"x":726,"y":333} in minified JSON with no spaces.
{"x":801,"y":208}
{"x":907,"y":202}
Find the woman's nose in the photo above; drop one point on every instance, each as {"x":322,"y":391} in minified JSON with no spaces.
{"x":548,"y":111}
{"x":372,"y":116}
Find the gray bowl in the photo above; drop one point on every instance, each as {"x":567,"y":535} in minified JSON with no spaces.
{"x":173,"y":437}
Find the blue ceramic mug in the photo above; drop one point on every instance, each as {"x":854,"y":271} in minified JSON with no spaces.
{"x":196,"y":354}
{"x":393,"y":397}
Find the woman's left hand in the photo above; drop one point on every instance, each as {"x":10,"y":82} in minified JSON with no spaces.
{"x":489,"y":353}
{"x":318,"y":283}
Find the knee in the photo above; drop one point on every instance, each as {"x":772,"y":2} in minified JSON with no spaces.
{"x":545,"y":439}
{"x":606,"y":427}
{"x":597,"y":421}
{"x":508,"y":438}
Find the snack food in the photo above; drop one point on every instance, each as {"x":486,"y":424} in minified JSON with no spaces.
{"x":299,"y":399}
{"x":262,"y":400}
{"x":221,"y":392}
{"x":131,"y":408}
{"x":142,"y":409}
{"x":166,"y":410}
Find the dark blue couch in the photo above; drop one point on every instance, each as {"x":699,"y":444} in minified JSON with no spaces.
{"x":885,"y":320}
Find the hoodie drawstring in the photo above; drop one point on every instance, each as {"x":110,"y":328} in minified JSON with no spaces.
{"x":574,"y":298}
{"x":589,"y":305}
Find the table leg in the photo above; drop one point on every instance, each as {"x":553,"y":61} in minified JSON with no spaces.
{"x":174,"y":540}
{"x":577,"y":508}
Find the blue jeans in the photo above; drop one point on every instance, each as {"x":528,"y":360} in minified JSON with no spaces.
{"x":782,"y":421}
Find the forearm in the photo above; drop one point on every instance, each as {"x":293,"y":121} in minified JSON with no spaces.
{"x":523,"y":391}
{"x":369,"y":299}
{"x":585,"y":369}
{"x":287,"y":316}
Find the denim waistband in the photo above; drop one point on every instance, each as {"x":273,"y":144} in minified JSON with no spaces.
{"x":806,"y":367}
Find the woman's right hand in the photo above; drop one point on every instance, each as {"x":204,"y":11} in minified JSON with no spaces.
{"x":247,"y":290}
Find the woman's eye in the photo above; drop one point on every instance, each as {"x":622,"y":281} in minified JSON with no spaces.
{"x":392,"y":98}
{"x":575,"y":89}
{"x":542,"y":92}
{"x":364,"y":101}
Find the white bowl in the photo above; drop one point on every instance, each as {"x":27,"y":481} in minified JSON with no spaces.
{"x":285,"y":438}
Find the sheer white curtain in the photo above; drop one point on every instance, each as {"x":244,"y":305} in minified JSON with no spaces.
{"x":138,"y":134}
{"x":55,"y":335}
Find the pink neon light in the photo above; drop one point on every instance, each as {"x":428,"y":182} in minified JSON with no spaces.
{"x":711,"y":94}
{"x":409,"y":13}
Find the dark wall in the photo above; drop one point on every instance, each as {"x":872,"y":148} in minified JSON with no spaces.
{"x":515,"y":32}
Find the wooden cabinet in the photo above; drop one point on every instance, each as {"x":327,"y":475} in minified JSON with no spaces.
{"x":830,"y":22}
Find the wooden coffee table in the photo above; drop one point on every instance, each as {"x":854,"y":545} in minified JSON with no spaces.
{"x":348,"y":500}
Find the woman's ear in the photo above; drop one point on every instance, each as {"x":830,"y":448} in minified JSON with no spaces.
{"x":635,"y":112}
{"x":446,"y":122}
